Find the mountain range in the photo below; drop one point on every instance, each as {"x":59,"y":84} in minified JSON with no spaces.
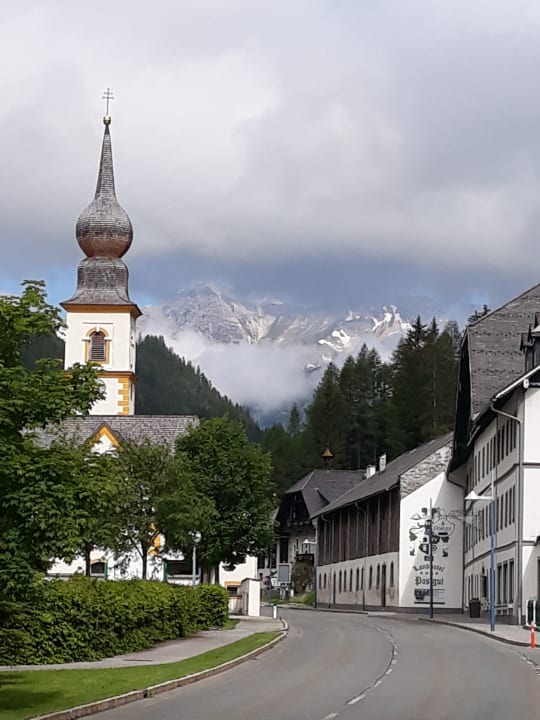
{"x":219,"y":317}
{"x":266,"y":354}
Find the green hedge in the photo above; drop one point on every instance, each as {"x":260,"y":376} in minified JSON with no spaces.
{"x":83,"y":619}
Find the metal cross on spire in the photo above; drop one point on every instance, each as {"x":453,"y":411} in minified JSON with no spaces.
{"x":108,"y":95}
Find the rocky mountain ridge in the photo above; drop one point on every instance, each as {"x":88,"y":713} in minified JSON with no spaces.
{"x":219,"y":317}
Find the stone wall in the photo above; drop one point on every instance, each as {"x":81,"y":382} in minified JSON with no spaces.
{"x":425,"y":471}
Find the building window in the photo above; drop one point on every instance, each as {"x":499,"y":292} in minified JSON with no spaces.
{"x":339,"y":586}
{"x":378,"y":576}
{"x":483,"y":461}
{"x":350,"y":580}
{"x":320,"y":582}
{"x":357,"y":579}
{"x":391,"y":574}
{"x":511,"y":582}
{"x":97,"y":352}
{"x":362,"y":579}
{"x":370,"y":577}
{"x":505,"y":509}
{"x":324,"y":581}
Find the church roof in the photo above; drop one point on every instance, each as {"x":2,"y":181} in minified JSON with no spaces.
{"x":104,"y":228}
{"x":158,"y":429}
{"x":104,"y":233}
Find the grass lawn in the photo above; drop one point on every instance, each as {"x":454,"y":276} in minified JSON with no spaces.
{"x":28,"y":694}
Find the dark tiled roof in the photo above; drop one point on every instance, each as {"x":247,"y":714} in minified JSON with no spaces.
{"x":101,"y":281}
{"x":494,"y":340}
{"x":159,"y":429}
{"x":320,"y":487}
{"x":382,"y":481}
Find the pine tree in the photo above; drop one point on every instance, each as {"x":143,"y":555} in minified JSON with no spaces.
{"x":412,"y":382}
{"x":294,"y":425}
{"x":327,"y":421}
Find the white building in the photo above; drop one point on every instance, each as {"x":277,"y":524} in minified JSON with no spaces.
{"x":373,"y":545}
{"x":496,"y":441}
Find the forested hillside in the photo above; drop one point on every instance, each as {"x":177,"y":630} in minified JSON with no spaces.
{"x":368,"y":408}
{"x":360,"y":411}
{"x":167,"y":384}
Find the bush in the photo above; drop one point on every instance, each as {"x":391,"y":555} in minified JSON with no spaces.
{"x":84,"y":619}
{"x":214,"y":605}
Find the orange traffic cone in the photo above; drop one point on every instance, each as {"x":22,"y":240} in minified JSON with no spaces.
{"x":533,"y":639}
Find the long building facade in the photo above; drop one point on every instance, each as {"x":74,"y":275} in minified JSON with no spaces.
{"x":373,"y":549}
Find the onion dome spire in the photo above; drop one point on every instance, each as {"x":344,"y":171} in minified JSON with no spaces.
{"x":104,"y":228}
{"x":104,"y":233}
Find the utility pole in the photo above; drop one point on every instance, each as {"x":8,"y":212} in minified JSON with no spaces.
{"x":430,"y":537}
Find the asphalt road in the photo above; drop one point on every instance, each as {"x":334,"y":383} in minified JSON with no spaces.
{"x":358,"y":667}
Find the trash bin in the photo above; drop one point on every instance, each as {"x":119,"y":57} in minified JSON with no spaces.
{"x":474,"y":608}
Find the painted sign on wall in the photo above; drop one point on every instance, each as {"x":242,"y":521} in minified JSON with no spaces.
{"x":443,"y":527}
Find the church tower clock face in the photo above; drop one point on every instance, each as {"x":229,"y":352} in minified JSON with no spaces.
{"x":100,"y":316}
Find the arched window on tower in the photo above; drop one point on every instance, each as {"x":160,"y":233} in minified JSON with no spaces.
{"x":97,"y":351}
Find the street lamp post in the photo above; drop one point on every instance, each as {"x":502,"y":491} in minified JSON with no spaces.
{"x":430,"y":537}
{"x":196,"y":539}
{"x":474,"y":497}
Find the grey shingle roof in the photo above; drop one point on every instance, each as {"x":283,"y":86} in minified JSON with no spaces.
{"x":382,"y":481}
{"x":104,"y":233}
{"x":495,"y":358}
{"x":159,"y":429}
{"x":320,"y":487}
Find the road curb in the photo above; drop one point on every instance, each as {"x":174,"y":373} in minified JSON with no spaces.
{"x":485,"y":633}
{"x":118,"y":700}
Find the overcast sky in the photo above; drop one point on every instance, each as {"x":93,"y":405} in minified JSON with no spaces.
{"x":345,"y":152}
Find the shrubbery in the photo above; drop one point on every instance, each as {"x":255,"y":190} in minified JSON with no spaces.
{"x":82,"y":619}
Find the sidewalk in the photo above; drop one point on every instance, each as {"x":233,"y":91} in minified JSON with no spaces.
{"x":173,"y":650}
{"x":511,"y":634}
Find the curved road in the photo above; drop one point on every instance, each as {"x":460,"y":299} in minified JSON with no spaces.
{"x":357,"y":667}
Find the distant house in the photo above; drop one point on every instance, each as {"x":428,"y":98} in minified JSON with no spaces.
{"x":373,"y":548}
{"x":295,"y":531}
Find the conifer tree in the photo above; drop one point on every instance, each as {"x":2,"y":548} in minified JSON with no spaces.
{"x":327,"y":420}
{"x":294,"y":426}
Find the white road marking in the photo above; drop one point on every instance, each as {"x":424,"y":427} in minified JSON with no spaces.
{"x":331,"y":716}
{"x":388,"y":671}
{"x":356,"y":699}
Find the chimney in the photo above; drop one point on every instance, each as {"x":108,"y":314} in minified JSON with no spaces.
{"x":382,"y":463}
{"x":370,"y":470}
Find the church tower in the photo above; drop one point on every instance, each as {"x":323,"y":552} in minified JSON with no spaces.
{"x":100,"y":316}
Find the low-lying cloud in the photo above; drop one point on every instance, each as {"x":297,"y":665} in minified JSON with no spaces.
{"x":262,"y":377}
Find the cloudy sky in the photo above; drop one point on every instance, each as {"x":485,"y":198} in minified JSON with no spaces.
{"x":334,"y":153}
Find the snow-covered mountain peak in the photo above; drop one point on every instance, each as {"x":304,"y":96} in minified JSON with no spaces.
{"x":266,"y":354}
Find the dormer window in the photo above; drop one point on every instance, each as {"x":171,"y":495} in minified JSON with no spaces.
{"x":97,"y":351}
